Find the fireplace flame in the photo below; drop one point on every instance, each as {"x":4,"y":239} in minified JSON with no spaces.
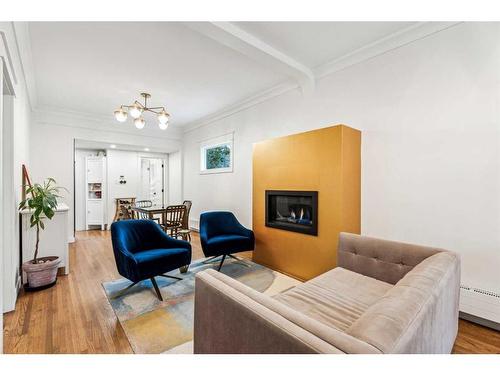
{"x":301,"y":214}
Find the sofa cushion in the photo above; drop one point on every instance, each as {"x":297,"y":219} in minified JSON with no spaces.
{"x":419,"y":314}
{"x":336,"y":298}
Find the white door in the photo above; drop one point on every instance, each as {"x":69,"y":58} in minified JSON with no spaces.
{"x":152,"y":180}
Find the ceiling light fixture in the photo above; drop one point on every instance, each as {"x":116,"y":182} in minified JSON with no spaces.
{"x":139,"y":122}
{"x":112,"y":146}
{"x":146,"y":149}
{"x":136,"y":111}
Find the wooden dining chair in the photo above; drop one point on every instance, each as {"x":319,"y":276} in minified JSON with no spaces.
{"x":185,"y":232}
{"x":172,"y":219}
{"x":125,"y":213}
{"x":143,"y":204}
{"x":145,"y":215}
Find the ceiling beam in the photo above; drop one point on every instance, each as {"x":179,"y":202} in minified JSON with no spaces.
{"x":234,"y":37}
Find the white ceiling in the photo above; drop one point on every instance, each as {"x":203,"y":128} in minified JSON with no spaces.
{"x":316,"y":43}
{"x":93,"y":67}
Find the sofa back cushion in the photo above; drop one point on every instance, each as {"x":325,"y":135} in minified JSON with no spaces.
{"x":380,"y":259}
{"x":419,"y":314}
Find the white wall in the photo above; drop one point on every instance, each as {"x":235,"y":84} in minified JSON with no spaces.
{"x":54,"y":155}
{"x":118,"y":163}
{"x":18,"y":154}
{"x":429,"y":113}
{"x":121,"y":163}
{"x":175,"y":178}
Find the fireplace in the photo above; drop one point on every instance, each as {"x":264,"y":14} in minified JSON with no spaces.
{"x":295,"y":211}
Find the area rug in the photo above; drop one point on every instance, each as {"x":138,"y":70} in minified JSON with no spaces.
{"x":154,"y":326}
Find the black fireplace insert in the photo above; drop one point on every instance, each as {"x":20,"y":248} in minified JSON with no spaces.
{"x":296,"y":211}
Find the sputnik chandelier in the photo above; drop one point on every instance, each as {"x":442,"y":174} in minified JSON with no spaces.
{"x":136,"y":111}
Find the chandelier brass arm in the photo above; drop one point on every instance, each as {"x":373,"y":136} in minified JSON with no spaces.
{"x":137,"y":109}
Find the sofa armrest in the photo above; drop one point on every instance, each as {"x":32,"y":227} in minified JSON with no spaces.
{"x":380,"y":259}
{"x":230,"y":317}
{"x":228,"y":321}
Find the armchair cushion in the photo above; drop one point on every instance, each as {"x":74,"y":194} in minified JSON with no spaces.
{"x":230,"y":242}
{"x":156,"y":261}
{"x":142,"y":250}
{"x":222,"y":234}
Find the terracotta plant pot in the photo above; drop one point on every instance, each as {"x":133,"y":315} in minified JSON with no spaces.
{"x":41,"y":274}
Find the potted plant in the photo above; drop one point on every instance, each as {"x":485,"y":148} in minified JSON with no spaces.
{"x":42,"y":202}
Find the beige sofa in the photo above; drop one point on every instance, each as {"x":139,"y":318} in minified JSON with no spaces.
{"x":384,"y":297}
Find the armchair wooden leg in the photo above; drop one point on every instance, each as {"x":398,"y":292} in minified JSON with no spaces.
{"x":184,"y":269}
{"x":157,"y":290}
{"x":222,"y":261}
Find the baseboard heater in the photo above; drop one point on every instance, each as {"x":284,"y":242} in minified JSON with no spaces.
{"x":480,"y":306}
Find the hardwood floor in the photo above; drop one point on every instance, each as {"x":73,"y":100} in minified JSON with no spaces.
{"x":76,"y":317}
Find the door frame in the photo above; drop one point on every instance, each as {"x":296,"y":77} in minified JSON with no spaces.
{"x":164,"y":172}
{"x":8,"y":211}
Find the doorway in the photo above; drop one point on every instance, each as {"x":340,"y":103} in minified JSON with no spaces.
{"x":152,"y":184}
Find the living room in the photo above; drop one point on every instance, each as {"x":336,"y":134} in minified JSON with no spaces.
{"x":326,"y":187}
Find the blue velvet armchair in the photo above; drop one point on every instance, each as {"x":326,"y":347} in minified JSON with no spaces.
{"x":142,"y":251}
{"x":221,"y":234}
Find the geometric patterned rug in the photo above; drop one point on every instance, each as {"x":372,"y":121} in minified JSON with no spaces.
{"x":154,"y":326}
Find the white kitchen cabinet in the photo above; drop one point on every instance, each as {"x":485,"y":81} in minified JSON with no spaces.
{"x":94,"y":212}
{"x":95,"y":166}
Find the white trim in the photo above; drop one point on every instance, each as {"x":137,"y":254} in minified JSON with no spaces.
{"x":9,"y":209}
{"x":73,"y":119}
{"x":242,"y":105}
{"x":1,"y":203}
{"x":396,"y":40}
{"x":401,"y":38}
{"x":10,"y":64}
{"x":22,"y":37}
{"x":232,"y":36}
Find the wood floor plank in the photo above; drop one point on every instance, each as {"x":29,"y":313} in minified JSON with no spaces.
{"x":76,"y":317}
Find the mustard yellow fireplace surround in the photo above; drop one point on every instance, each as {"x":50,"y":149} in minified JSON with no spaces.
{"x":326,"y":160}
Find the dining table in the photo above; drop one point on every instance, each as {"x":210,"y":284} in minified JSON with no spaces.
{"x":169,"y":226}
{"x":150,"y":211}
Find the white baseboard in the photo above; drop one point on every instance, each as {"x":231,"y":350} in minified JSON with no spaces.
{"x":19,"y":284}
{"x":194,"y":224}
{"x":480,"y":303}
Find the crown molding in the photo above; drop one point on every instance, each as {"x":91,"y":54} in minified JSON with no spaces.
{"x":23,"y":42}
{"x":8,"y":65}
{"x":398,"y":39}
{"x":74,"y":119}
{"x":8,"y":54}
{"x":242,"y":105}
{"x":226,"y":33}
{"x":234,"y":37}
